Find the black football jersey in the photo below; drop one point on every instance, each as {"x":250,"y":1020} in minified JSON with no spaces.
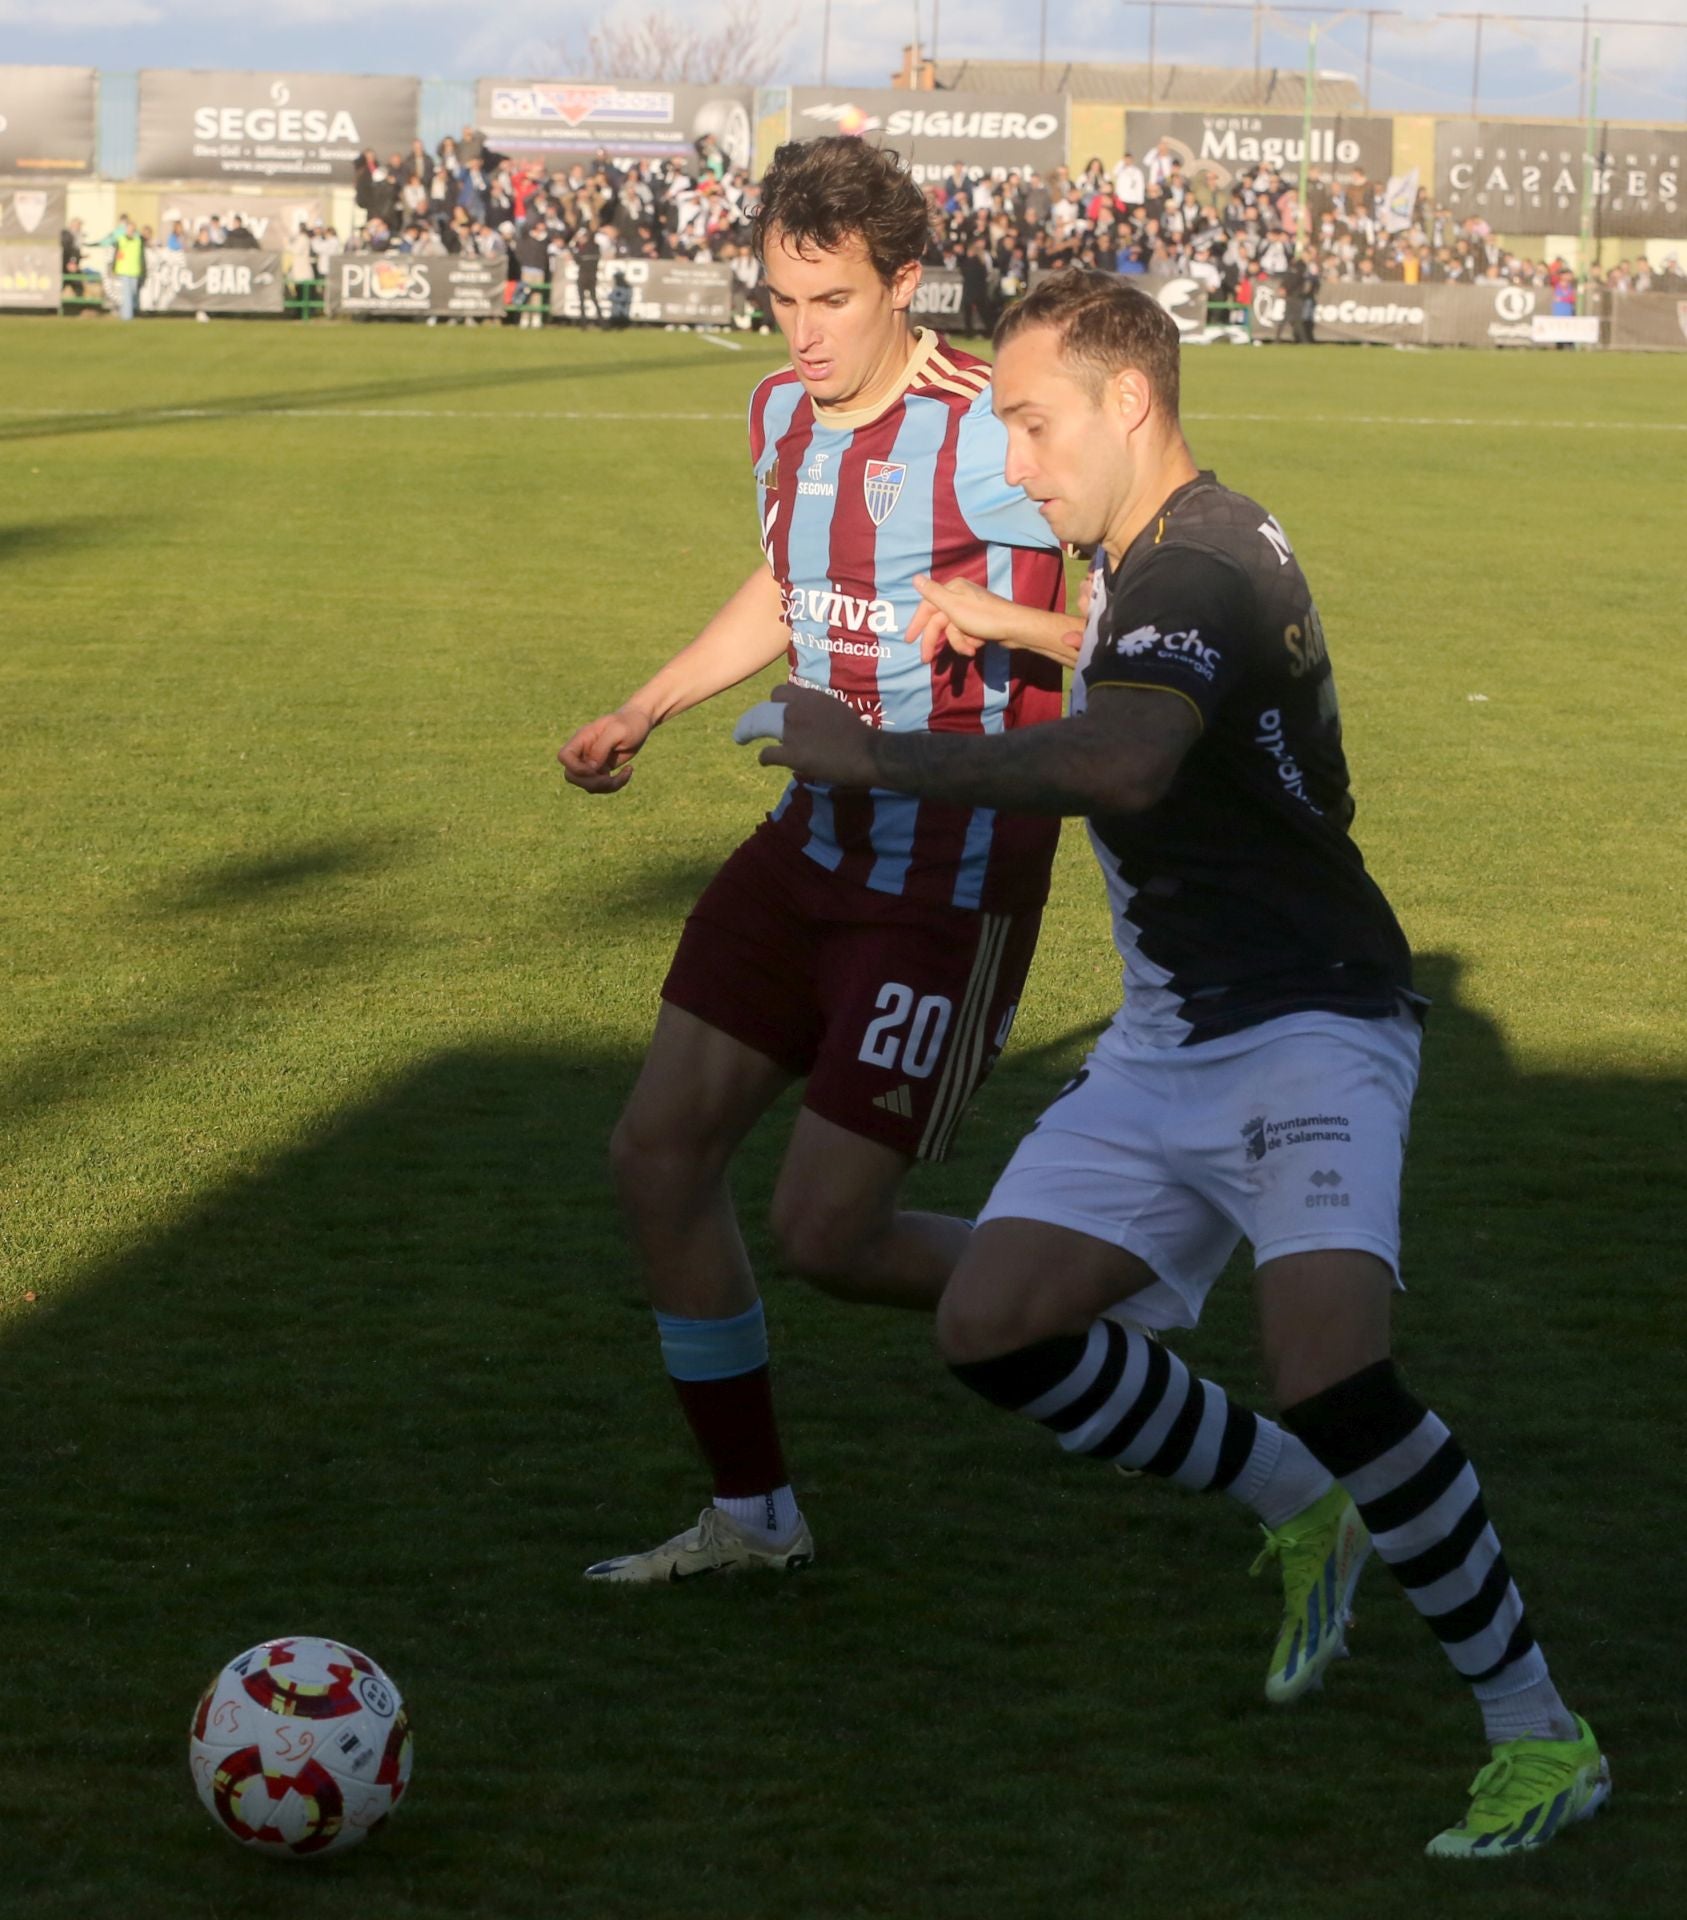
{"x":1241,"y":895}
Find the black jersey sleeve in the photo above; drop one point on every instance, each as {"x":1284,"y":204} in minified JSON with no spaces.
{"x":1182,"y":620}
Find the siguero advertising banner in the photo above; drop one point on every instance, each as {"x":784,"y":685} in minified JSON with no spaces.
{"x":29,"y":277}
{"x":564,"y":120}
{"x":988,"y":133}
{"x":676,"y":292}
{"x":215,"y":280}
{"x":1526,"y":177}
{"x":270,"y":126}
{"x":47,"y":120}
{"x":403,"y":284}
{"x":1227,"y":146}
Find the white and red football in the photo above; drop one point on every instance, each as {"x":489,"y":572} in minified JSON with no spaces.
{"x":300,"y":1747}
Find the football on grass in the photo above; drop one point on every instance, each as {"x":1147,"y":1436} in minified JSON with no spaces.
{"x":300,"y":1747}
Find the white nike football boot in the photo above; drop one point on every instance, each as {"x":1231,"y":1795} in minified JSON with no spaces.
{"x":716,"y":1544}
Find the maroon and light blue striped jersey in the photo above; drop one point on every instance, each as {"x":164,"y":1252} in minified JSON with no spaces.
{"x":853,"y":506}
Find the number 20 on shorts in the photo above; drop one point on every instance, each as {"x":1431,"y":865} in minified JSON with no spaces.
{"x":906,"y":1030}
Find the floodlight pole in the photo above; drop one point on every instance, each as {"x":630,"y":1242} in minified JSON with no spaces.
{"x":1581,"y":71}
{"x":1590,"y":176}
{"x":1306,"y":132}
{"x":1258,"y":8}
{"x":825,"y":38}
{"x":1476,"y":63}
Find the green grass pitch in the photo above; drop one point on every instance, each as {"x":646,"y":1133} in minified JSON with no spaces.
{"x":321,"y":992}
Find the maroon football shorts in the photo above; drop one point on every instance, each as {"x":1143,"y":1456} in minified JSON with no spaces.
{"x":893,"y":1010}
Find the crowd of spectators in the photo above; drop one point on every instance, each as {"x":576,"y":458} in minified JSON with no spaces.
{"x":465,"y":198}
{"x":1157,"y":215}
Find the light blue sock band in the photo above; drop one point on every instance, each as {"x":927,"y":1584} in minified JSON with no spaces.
{"x":713,"y":1349}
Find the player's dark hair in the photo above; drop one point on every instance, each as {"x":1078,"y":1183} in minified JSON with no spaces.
{"x":820,"y":193}
{"x":1104,"y":325}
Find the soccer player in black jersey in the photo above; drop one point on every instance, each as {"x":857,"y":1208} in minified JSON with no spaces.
{"x":1257,"y":1082}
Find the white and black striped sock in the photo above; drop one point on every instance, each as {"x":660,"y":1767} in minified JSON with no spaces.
{"x":1117,"y":1395}
{"x":1419,"y":1496}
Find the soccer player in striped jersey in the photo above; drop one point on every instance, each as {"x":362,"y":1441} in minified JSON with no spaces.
{"x":872,"y":946}
{"x":1257,"y":1081}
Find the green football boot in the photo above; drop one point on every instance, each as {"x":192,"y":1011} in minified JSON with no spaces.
{"x":1321,"y":1553}
{"x":1525,"y":1794}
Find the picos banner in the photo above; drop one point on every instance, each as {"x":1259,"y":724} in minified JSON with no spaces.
{"x":217,"y":280}
{"x":565,"y":120}
{"x":402,"y":284}
{"x":270,"y":126}
{"x":675,"y":292}
{"x":47,"y":120}
{"x":1225,"y":146}
{"x":1527,"y":178}
{"x":1657,"y":320}
{"x":986,"y":132}
{"x":29,"y":277}
{"x":31,"y":210}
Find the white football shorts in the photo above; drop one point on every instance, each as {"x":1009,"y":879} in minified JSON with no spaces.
{"x":1290,"y":1136}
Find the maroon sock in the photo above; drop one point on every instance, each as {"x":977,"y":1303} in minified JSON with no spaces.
{"x":734,"y":1426}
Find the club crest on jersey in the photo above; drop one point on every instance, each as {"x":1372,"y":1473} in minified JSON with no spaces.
{"x":882,"y":485}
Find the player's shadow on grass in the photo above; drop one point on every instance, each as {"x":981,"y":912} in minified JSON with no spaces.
{"x":400,"y":1386}
{"x":190,"y":412}
{"x":37,"y":539}
{"x":660,"y":893}
{"x":241,"y":879}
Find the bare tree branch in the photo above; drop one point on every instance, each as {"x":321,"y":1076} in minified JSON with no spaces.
{"x":741,"y":49}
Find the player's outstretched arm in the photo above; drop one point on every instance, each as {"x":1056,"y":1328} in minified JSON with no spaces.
{"x":964,"y":617}
{"x":1119,"y":756}
{"x":748,"y":634}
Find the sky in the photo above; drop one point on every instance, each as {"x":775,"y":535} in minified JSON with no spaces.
{"x":1422,"y":60}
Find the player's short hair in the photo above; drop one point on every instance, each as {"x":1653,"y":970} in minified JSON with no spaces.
{"x":821,"y":193}
{"x":1104,"y":325}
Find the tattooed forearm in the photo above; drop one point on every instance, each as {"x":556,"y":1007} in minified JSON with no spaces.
{"x":1071,"y":766}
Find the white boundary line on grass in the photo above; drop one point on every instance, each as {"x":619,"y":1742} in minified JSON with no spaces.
{"x":1440,"y":420}
{"x":140,"y":416}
